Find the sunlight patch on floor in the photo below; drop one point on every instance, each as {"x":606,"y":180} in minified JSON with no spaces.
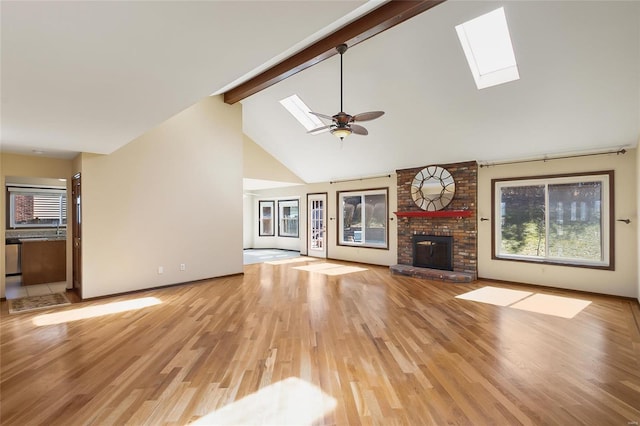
{"x":565,"y":307}
{"x":94,"y":311}
{"x":495,"y":295}
{"x":292,"y":260}
{"x":251,"y":256}
{"x":292,"y":401}
{"x":330,"y":268}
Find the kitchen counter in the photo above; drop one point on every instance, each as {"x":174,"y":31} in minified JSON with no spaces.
{"x":36,"y":239}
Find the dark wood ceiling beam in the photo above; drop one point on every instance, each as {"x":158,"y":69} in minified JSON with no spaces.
{"x":375,"y":22}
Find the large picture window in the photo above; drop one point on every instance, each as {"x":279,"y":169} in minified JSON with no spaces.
{"x":363,"y":218}
{"x":37,"y":207}
{"x":288,"y":217}
{"x":555,"y":219}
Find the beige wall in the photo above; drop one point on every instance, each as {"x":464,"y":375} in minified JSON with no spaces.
{"x":171,"y":196}
{"x":259,"y":164}
{"x":623,"y":281}
{"x":334,"y":251}
{"x":638,"y":217}
{"x":33,"y":166}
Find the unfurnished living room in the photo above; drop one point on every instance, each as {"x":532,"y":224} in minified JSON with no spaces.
{"x":320,"y":212}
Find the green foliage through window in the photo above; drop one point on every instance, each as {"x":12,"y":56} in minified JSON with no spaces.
{"x":557,"y":219}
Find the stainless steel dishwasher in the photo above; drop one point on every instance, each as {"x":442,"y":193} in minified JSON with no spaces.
{"x":12,"y":257}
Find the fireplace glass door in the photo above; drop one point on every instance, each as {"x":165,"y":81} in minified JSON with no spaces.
{"x":433,"y":252}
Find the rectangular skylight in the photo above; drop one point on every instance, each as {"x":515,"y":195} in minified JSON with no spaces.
{"x":487,"y":46}
{"x":300,"y":111}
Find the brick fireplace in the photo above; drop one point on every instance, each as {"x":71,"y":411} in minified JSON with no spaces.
{"x":458,"y":220}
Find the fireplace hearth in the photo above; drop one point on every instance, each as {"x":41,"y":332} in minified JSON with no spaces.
{"x":431,"y":251}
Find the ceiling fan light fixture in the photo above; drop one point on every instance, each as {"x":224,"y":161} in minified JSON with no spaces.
{"x":341,"y":125}
{"x":341,"y":132}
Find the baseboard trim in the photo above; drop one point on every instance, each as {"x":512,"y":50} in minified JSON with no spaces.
{"x":550,"y":288}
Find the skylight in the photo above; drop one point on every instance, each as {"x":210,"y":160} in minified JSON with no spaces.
{"x":487,"y":46}
{"x":300,"y":111}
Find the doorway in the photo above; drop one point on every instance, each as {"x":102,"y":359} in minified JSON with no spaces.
{"x":36,"y":236}
{"x":76,"y":210}
{"x":316,"y":218}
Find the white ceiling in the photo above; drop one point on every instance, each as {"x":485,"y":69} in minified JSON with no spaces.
{"x":91,"y":76}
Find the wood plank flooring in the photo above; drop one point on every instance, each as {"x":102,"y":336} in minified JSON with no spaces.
{"x":277,"y":344}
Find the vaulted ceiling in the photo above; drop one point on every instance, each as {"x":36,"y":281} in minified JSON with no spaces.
{"x":92,"y":76}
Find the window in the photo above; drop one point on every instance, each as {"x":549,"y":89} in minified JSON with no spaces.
{"x":558,"y":219}
{"x":363,"y":218}
{"x":266,"y":218}
{"x":487,"y":46}
{"x":37,"y":207}
{"x":300,"y":112}
{"x":288,"y":214}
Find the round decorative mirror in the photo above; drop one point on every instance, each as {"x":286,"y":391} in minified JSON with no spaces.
{"x":433,"y":188}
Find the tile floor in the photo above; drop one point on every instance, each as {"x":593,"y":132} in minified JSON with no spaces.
{"x":15,"y":290}
{"x":264,"y":255}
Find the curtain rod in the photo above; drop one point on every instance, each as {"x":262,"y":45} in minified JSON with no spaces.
{"x":364,"y":178}
{"x":618,"y":152}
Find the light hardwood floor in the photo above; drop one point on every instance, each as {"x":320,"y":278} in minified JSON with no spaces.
{"x":279,"y":344}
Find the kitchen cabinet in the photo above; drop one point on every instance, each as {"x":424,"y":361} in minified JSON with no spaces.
{"x":44,"y":261}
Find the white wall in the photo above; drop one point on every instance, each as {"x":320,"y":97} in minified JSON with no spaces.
{"x":284,"y":243}
{"x":248,"y":227}
{"x":171,"y":196}
{"x":334,"y":251}
{"x":623,"y":281}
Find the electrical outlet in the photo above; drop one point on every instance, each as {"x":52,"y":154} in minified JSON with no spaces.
{"x":161,"y":269}
{"x":183,"y":267}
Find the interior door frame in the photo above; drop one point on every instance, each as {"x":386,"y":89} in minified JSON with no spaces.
{"x":325,"y":197}
{"x":76,"y":227}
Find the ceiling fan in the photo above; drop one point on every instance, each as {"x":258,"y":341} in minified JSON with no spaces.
{"x":342,"y":125}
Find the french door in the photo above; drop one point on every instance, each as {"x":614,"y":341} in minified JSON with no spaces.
{"x":317,"y":226}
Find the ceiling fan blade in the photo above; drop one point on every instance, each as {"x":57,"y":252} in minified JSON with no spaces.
{"x":328,"y":117}
{"x":358,"y":130}
{"x":320,"y":129}
{"x":367,"y":116}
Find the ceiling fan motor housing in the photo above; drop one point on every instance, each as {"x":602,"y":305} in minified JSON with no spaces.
{"x":342,"y":118}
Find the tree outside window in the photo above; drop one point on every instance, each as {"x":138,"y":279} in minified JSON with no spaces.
{"x":557,"y":219}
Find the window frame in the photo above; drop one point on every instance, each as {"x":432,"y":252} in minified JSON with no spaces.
{"x":261,"y":217}
{"x":281,"y":204}
{"x":340,"y":218}
{"x":607,"y":220}
{"x":63,"y":214}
